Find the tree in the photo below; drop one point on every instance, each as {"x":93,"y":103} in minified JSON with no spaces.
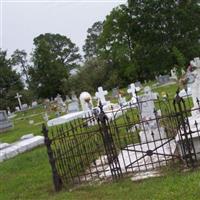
{"x":117,"y":41}
{"x":19,"y":58}
{"x":53,"y":57}
{"x":139,"y":40}
{"x":91,"y":45}
{"x":10,"y":83}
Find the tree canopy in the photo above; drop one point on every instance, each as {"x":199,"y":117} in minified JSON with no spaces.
{"x":53,"y":57}
{"x":10,"y":83}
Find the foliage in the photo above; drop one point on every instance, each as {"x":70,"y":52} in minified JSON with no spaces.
{"x":91,"y":45}
{"x":10,"y":83}
{"x":149,"y":37}
{"x":179,"y":60}
{"x":19,"y":59}
{"x":53,"y":57}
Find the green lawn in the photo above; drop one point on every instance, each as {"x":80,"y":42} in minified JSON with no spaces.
{"x":28,"y":176}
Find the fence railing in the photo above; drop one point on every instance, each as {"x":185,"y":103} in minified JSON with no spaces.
{"x":110,"y":144}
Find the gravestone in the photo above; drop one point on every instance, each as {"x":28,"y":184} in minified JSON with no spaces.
{"x":195,"y":86}
{"x":26,"y":143}
{"x":74,"y":105}
{"x":122,"y":100}
{"x":194,"y":120}
{"x":115,"y":92}
{"x":174,"y":74}
{"x":150,"y":130}
{"x":100,"y":94}
{"x":5,"y":123}
{"x":138,"y":85}
{"x":132,"y":90}
{"x":18,"y":96}
{"x":17,"y":108}
{"x":67,"y":100}
{"x":34,"y":104}
{"x":86,"y":101}
{"x":163,"y":79}
{"x":24,"y":106}
{"x":146,"y":104}
{"x":61,"y":105}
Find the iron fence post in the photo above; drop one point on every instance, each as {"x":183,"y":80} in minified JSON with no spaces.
{"x":109,"y":145}
{"x":56,"y":178}
{"x":187,"y":142}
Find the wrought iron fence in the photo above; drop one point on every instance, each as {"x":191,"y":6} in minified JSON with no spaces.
{"x":110,"y":144}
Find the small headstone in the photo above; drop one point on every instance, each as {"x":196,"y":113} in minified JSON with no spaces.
{"x":132,"y":90}
{"x":122,"y":100}
{"x":5,"y":123}
{"x":9,"y":112}
{"x":115,"y":92}
{"x":24,"y":106}
{"x":163,"y":79}
{"x":68,"y":100}
{"x":34,"y":104}
{"x":17,"y":108}
{"x":60,"y":103}
{"x":73,"y":106}
{"x":174,"y":74}
{"x":138,"y":85}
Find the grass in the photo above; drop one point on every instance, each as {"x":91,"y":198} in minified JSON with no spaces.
{"x":28,"y":176}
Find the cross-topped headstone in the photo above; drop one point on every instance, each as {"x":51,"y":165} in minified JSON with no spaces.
{"x":18,"y":96}
{"x":146,"y":103}
{"x":132,"y":91}
{"x":101,"y":95}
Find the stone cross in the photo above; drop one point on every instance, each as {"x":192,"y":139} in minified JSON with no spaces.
{"x":18,"y":96}
{"x":147,"y":104}
{"x":101,"y":95}
{"x":132,"y":91}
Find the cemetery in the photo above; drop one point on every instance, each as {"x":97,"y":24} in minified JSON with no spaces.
{"x":109,"y":140}
{"x":115,"y":116}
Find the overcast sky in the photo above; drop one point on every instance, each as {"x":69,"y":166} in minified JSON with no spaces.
{"x":21,"y":21}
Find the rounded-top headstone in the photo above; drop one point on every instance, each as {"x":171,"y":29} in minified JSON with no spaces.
{"x":86,"y":101}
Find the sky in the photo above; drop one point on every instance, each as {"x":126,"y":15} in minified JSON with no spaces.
{"x":23,"y":20}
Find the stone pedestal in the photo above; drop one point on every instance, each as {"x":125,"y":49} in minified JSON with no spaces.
{"x":152,"y":132}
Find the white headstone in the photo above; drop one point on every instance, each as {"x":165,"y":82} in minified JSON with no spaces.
{"x":101,"y":95}
{"x":73,"y":107}
{"x":34,"y":104}
{"x":122,"y":100}
{"x":150,"y":130}
{"x":132,"y":91}
{"x":24,"y":106}
{"x":86,"y":101}
{"x":174,"y":74}
{"x":147,"y":106}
